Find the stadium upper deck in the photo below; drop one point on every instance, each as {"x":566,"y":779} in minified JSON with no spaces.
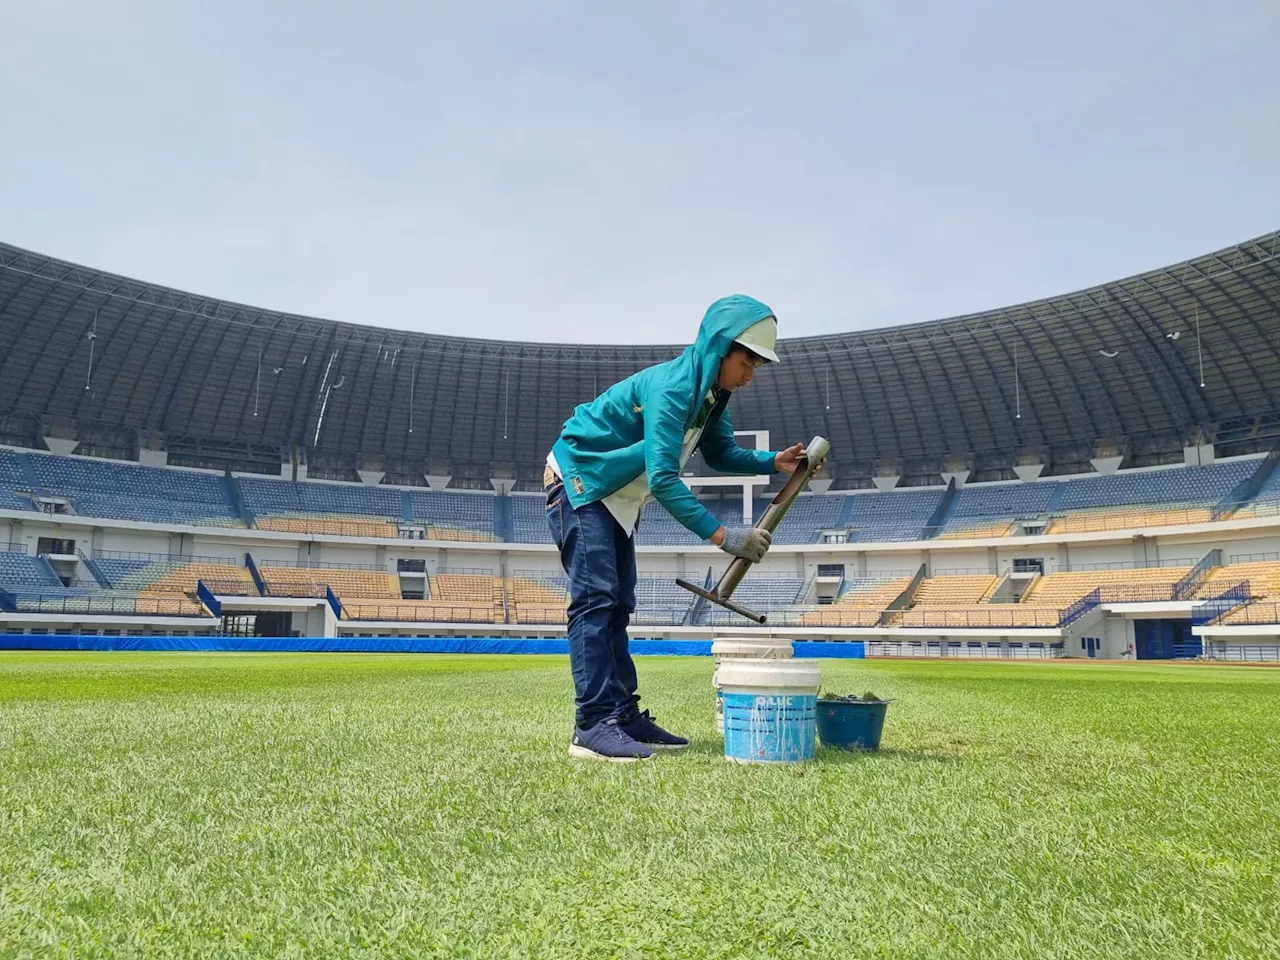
{"x":115,"y":363}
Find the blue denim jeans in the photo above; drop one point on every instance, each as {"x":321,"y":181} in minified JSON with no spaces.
{"x":600,"y":560}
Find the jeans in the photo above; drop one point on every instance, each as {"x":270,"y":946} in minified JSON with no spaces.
{"x":600,"y":560}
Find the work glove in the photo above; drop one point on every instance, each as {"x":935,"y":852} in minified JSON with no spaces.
{"x":749,"y":543}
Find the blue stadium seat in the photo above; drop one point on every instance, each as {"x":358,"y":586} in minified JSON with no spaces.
{"x":23,"y":570}
{"x":128,"y":492}
{"x":1179,"y":486}
{"x":176,"y":496}
{"x":283,"y":496}
{"x":895,"y":515}
{"x":464,"y":511}
{"x":1270,"y":491}
{"x":529,"y":518}
{"x":1003,"y":500}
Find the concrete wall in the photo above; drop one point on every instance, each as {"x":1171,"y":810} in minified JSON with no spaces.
{"x":549,"y":566}
{"x":223,"y":548}
{"x":312,"y":622}
{"x":134,"y":541}
{"x":878,"y":563}
{"x":273,"y":551}
{"x":1236,"y":547}
{"x":1117,"y":637}
{"x":326,"y":552}
{"x":1074,"y":555}
{"x":942,"y":560}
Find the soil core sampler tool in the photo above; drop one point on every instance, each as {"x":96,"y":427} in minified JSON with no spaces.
{"x":720,"y":594}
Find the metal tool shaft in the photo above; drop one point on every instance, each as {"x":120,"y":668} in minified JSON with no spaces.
{"x":722,"y":601}
{"x":814,"y":454}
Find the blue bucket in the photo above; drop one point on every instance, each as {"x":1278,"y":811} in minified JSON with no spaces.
{"x":770,"y":710}
{"x":852,"y":724}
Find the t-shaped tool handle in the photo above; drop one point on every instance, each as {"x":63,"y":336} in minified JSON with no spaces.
{"x":814,"y":454}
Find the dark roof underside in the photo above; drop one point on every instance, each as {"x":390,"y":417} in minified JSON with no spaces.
{"x":103,"y":356}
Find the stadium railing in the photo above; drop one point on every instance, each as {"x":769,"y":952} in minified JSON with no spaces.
{"x":1254,"y":557}
{"x":1121,"y":517}
{"x":975,"y":650}
{"x":1257,"y":613}
{"x":1013,"y":616}
{"x":162,"y":558}
{"x":95,"y":604}
{"x":1215,"y":608}
{"x":1117,"y":593}
{"x":364,"y":526}
{"x":328,"y":565}
{"x":1255,"y":510}
{"x":1082,"y":606}
{"x":1187,"y":585}
{"x":1246,"y":652}
{"x":1124,"y":565}
{"x":417,"y":611}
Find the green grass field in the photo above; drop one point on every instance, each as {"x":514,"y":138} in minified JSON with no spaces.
{"x":226,"y":805}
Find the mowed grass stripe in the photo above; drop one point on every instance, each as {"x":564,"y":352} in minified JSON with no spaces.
{"x":377,"y":805}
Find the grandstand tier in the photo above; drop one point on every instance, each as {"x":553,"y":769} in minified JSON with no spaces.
{"x":1147,"y":498}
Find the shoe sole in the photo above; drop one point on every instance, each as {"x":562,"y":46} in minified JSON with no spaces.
{"x":667,"y":746}
{"x":585,"y":753}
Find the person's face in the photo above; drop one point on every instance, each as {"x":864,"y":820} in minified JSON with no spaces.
{"x":737,"y":369}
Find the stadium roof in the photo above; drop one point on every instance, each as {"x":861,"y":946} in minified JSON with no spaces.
{"x":109,"y":360}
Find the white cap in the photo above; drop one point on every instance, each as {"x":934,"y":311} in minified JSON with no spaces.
{"x":761,"y":338}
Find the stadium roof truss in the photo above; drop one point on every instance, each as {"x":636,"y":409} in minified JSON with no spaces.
{"x":1146,"y":364}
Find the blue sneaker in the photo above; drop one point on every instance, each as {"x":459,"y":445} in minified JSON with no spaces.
{"x":607,"y":741}
{"x":643,"y":730}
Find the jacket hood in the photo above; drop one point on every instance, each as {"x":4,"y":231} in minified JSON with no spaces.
{"x":725,"y":320}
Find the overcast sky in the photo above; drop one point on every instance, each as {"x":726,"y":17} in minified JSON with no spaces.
{"x":591,"y":171}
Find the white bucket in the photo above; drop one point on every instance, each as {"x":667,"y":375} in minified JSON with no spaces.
{"x":770,"y":710}
{"x":742,"y":648}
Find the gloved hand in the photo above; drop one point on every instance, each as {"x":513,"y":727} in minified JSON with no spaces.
{"x":749,"y":543}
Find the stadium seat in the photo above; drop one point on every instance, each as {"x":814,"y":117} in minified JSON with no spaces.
{"x":128,"y":492}
{"x":954,"y":590}
{"x":1132,"y":585}
{"x":19,"y":569}
{"x":860,"y":603}
{"x":1135,"y":499}
{"x":354,"y":585}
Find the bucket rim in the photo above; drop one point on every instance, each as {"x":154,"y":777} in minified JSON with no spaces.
{"x":785,"y":672}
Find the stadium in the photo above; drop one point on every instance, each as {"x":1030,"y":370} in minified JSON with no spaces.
{"x":1092,"y":475}
{"x":283,"y":637}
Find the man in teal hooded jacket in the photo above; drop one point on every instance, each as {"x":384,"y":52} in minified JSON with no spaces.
{"x":614,"y":453}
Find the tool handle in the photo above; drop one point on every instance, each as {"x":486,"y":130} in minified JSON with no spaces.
{"x":721,"y":601}
{"x":814,"y":454}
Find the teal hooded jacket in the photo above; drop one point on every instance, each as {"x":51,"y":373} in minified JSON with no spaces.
{"x":638,"y":425}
